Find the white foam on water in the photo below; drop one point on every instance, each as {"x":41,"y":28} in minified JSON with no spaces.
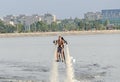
{"x":69,"y":67}
{"x":54,"y":71}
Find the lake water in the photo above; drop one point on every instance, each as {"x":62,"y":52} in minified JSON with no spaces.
{"x":30,"y":58}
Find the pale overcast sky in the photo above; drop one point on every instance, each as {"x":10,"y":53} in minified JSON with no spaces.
{"x":61,"y":8}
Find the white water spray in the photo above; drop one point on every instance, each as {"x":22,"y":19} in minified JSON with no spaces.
{"x":54,"y":71}
{"x":69,"y":69}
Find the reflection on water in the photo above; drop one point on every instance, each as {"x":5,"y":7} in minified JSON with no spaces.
{"x":29,"y":59}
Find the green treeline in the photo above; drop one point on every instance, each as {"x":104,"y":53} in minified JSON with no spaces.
{"x":6,"y":28}
{"x":62,"y":25}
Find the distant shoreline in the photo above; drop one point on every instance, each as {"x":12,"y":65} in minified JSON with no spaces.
{"x":5,"y":35}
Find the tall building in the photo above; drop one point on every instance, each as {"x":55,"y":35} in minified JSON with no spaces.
{"x":28,"y":20}
{"x":93,"y":16}
{"x":48,"y":18}
{"x":9,"y":19}
{"x":113,"y":15}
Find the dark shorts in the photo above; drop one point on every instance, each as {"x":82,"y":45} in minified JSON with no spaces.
{"x":59,"y":49}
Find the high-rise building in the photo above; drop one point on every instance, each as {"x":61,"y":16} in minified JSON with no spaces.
{"x":8,"y":19}
{"x":113,"y":15}
{"x":48,"y":18}
{"x":93,"y":16}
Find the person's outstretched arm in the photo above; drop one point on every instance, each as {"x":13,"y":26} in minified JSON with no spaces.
{"x":64,"y":40}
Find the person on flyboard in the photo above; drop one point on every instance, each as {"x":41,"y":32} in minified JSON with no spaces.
{"x":60,"y":55}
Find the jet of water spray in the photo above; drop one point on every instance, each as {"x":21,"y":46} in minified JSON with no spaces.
{"x":69,"y":69}
{"x":54,"y":71}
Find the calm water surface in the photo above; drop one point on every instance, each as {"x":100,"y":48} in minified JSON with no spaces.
{"x":30,"y":58}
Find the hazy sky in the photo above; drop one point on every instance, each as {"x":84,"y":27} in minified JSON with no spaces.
{"x":61,"y":8}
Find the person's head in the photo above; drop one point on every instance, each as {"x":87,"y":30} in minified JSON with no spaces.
{"x":59,"y":37}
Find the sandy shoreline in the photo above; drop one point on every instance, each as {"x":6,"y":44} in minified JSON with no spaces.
{"x":3,"y":35}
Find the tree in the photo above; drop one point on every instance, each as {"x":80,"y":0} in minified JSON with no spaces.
{"x":6,"y":28}
{"x":54,"y":26}
{"x":106,"y":23}
{"x":20,"y":28}
{"x":78,"y":23}
{"x":41,"y":26}
{"x":2,"y":30}
{"x":33,"y":27}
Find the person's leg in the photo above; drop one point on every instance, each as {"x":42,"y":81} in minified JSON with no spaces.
{"x":63,"y":56}
{"x":57,"y":55}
